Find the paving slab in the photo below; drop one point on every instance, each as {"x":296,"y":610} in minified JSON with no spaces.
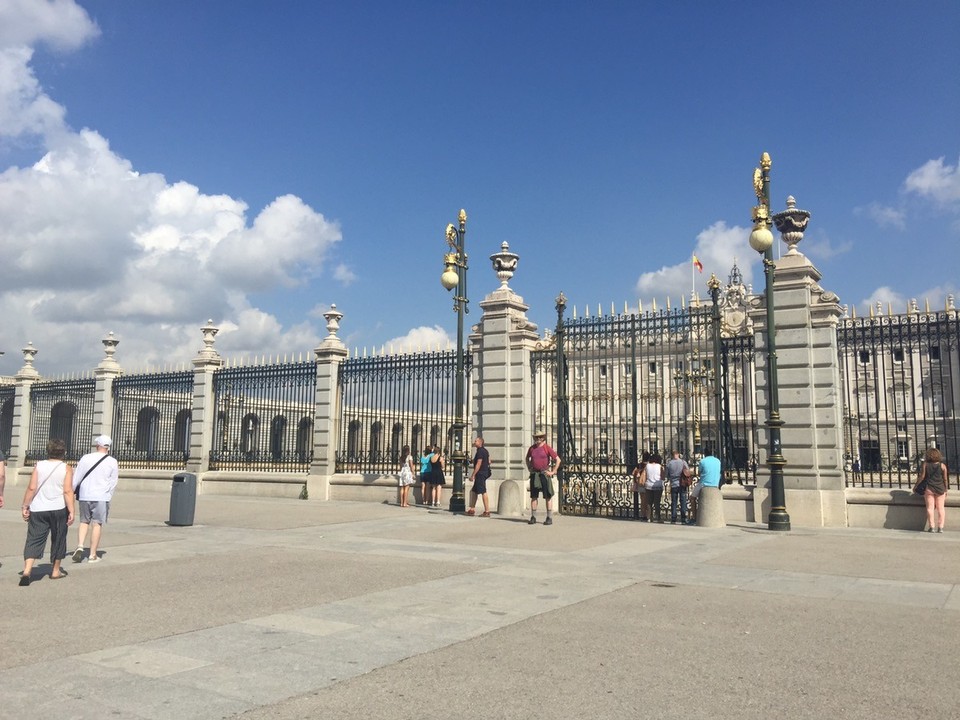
{"x":276,"y":608}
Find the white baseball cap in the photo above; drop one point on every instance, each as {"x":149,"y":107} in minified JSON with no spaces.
{"x":102,"y":441}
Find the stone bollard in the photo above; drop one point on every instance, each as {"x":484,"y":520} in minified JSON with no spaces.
{"x":710,"y":508}
{"x":510,"y":499}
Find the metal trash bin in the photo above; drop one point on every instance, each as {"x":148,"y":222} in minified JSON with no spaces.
{"x":183,"y":499}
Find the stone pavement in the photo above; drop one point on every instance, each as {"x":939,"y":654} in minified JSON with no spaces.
{"x":272,"y":608}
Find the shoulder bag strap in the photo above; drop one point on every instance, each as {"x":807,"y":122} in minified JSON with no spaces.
{"x":76,"y":490}
{"x":49,"y":474}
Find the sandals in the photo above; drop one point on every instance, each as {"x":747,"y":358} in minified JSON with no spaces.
{"x":470,"y":511}
{"x":486,"y":514}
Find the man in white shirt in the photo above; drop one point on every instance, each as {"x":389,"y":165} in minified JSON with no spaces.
{"x":94,"y":481}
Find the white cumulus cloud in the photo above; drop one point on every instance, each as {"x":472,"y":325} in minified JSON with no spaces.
{"x":62,"y":24}
{"x":91,"y":245}
{"x":938,"y":181}
{"x":883,"y":215}
{"x":718,"y":247}
{"x":423,"y":338}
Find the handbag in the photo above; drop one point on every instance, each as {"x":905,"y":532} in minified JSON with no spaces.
{"x":921,"y":487}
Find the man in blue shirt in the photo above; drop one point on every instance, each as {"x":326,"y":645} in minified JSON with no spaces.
{"x":710,"y":470}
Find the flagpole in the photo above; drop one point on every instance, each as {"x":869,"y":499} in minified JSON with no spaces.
{"x":693,"y":280}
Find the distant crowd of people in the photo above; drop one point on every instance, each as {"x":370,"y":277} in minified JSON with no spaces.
{"x":541,"y":460}
{"x":651,"y":478}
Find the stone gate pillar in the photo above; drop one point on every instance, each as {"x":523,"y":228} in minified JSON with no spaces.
{"x":203,"y":412}
{"x":104,"y":375}
{"x":326,"y":419}
{"x":20,"y":438}
{"x":806,"y":318}
{"x":503,"y":398}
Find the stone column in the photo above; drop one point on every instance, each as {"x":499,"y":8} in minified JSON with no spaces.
{"x":806,"y":319}
{"x":104,"y":374}
{"x":20,"y":439}
{"x":326,"y":419}
{"x":503,"y":399}
{"x":203,"y":413}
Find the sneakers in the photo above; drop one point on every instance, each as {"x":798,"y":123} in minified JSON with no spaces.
{"x":532,"y":520}
{"x":24,"y":580}
{"x":77,"y":555}
{"x":548,"y":521}
{"x":939,"y":530}
{"x":94,"y":559}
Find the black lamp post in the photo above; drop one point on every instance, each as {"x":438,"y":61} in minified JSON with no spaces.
{"x":761,"y":240}
{"x":450,"y":279}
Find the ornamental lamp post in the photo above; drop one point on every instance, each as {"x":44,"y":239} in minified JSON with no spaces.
{"x":761,"y":240}
{"x":719,"y":371}
{"x":452,"y":279}
{"x":690,"y":384}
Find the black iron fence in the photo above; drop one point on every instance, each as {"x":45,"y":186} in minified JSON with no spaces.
{"x":901,"y":386}
{"x":643,"y":382}
{"x":151,"y":419}
{"x":264,"y":417}
{"x":7,"y":395}
{"x":387,"y":402}
{"x":61,"y":409}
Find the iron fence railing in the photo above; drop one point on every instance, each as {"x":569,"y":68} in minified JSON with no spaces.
{"x":643,"y":382}
{"x":61,"y":409}
{"x":7,"y":397}
{"x":151,"y":419}
{"x":900,"y":379}
{"x":264,"y":417}
{"x":387,"y":402}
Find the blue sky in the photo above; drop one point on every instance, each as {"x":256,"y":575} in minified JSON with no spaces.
{"x":165,"y":162}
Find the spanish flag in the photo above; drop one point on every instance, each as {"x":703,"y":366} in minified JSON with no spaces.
{"x":697,"y":264}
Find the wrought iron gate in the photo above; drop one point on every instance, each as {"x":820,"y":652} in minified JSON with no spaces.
{"x":610,"y":387}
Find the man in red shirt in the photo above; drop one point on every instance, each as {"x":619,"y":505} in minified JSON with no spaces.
{"x":543,"y":463}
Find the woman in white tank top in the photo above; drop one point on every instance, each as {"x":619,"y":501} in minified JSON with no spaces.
{"x":48,"y":510}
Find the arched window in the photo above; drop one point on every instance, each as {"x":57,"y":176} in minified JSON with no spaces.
{"x":278,"y":427}
{"x":181,"y":432}
{"x":148,"y":422}
{"x":6,"y":426}
{"x":353,"y":440}
{"x":62,"y":422}
{"x":250,"y":435}
{"x":223,"y":431}
{"x":396,"y":440}
{"x":415,"y":440}
{"x":305,"y":440}
{"x":376,"y":432}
